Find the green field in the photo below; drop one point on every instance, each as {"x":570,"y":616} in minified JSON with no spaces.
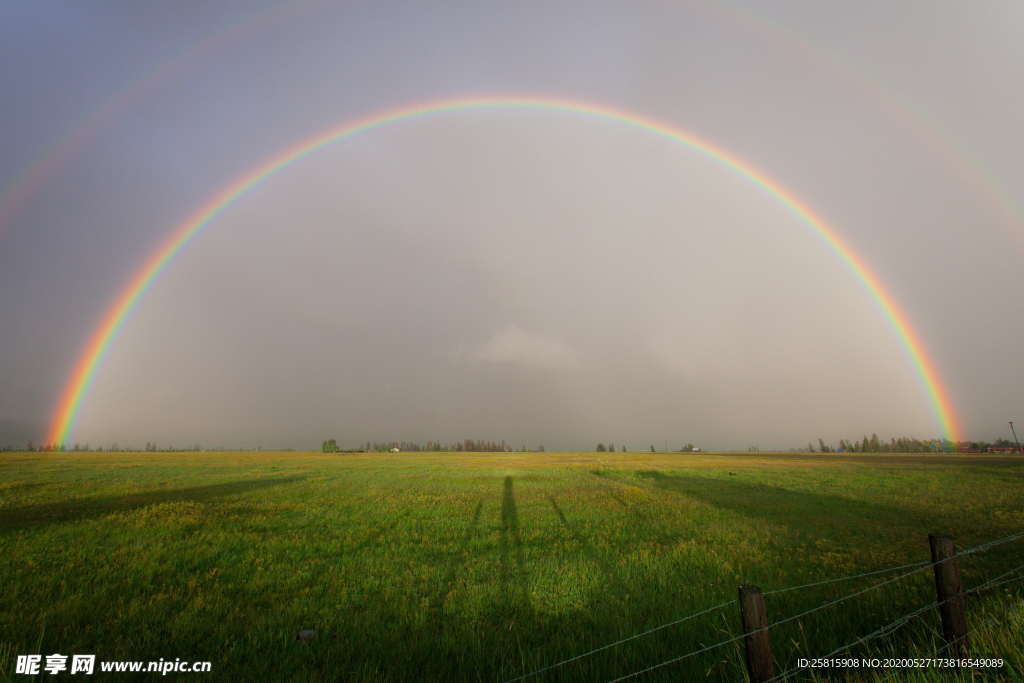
{"x":487,"y":566}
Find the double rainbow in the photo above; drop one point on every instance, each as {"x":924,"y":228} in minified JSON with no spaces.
{"x":99,"y":343}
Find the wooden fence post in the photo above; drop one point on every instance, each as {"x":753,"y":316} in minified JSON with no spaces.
{"x":759,"y":649}
{"x":950,"y":592}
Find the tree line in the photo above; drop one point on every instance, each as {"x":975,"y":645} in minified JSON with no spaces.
{"x":906,"y":444}
{"x":150,"y":447}
{"x":866,"y":444}
{"x":466,"y":445}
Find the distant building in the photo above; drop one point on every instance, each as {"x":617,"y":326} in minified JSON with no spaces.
{"x":696,"y":450}
{"x":394,"y":450}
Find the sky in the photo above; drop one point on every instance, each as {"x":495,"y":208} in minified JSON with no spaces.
{"x":536,"y":276}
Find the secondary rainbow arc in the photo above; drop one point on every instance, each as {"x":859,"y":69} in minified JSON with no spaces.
{"x":89,"y":359}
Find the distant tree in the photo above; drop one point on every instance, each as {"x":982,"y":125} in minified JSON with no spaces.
{"x":876,"y":446}
{"x":622,"y":449}
{"x":611,"y":448}
{"x":30,"y":446}
{"x":600,"y":448}
{"x":541,"y":448}
{"x":330,"y":446}
{"x":865,"y":445}
{"x":810,"y":447}
{"x":821,"y":445}
{"x":652,"y":448}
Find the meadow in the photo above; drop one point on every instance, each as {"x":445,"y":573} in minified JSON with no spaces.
{"x":460,"y":566}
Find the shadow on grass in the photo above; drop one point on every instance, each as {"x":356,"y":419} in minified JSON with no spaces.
{"x":513,"y":578}
{"x":457,"y":561}
{"x":616,"y":585}
{"x":21,"y":487}
{"x":378,"y":533}
{"x":490,"y":634}
{"x":43,"y":514}
{"x":883,"y":459}
{"x":816,"y":513}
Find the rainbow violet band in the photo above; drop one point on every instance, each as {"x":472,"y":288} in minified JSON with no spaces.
{"x":84,"y":371}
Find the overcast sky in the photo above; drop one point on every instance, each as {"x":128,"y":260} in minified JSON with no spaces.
{"x":538,"y":277}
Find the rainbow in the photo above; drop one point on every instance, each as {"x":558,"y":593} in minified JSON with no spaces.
{"x":84,"y":371}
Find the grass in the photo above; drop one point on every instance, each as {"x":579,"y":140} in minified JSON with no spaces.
{"x":487,"y":566}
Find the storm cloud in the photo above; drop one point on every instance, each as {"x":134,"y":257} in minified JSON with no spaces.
{"x":535,"y":276}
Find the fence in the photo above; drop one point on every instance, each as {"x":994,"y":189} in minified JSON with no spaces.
{"x":950,"y":601}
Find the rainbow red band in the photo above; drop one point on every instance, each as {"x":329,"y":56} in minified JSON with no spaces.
{"x":99,"y":343}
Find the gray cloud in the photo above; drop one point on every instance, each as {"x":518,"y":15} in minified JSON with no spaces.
{"x":513,"y":346}
{"x":534,"y":276}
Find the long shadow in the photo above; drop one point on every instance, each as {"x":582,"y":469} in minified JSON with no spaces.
{"x":513,"y":579}
{"x":378,"y":533}
{"x":893,"y":459}
{"x":20,"y":487}
{"x":621,"y":502}
{"x":816,"y":513}
{"x":654,"y":525}
{"x":457,"y":561}
{"x":43,"y":514}
{"x":615,"y":581}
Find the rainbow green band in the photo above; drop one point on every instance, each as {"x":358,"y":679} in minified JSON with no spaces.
{"x":84,"y":371}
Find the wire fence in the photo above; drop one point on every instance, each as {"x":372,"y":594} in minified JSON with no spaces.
{"x":915,"y":568}
{"x":846,"y":578}
{"x":688,"y":617}
{"x":701,"y":613}
{"x":780,"y":622}
{"x":991,"y":621}
{"x":902,"y":621}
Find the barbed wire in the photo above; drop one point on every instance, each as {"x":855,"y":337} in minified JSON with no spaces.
{"x":624,"y":640}
{"x":989,"y":585}
{"x":992,"y":583}
{"x":1002,"y":583}
{"x":905,"y":619}
{"x":989,"y":544}
{"x":706,"y":611}
{"x":987,"y":622}
{"x":888,"y":629}
{"x":711,"y":609}
{"x":682,"y":657}
{"x":770,"y":626}
{"x":899,"y":623}
{"x":845,"y":578}
{"x":917,"y":567}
